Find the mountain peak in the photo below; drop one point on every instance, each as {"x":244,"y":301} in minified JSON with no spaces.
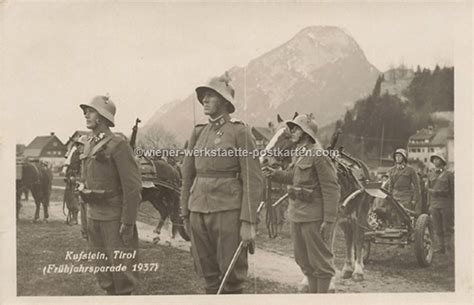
{"x":321,"y":70}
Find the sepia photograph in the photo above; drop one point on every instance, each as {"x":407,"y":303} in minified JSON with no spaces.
{"x":191,"y":149}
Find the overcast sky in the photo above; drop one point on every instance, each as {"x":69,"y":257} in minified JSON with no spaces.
{"x":58,"y":55}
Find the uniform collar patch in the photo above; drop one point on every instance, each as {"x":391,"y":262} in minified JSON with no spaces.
{"x":219,"y":121}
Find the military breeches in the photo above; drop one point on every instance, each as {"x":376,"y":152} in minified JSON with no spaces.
{"x":214,"y":238}
{"x":312,"y":254}
{"x":104,"y":237}
{"x":443,"y":222}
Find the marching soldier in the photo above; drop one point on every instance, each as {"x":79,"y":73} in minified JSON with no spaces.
{"x":112,"y":187}
{"x":441,"y":203}
{"x":220,"y":194}
{"x":404,"y":183}
{"x":314,"y":196}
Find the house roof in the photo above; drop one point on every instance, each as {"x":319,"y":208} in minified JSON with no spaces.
{"x":35,"y":148}
{"x":423,"y":134}
{"x":437,"y":137}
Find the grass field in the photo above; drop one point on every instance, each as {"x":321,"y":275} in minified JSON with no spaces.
{"x":41,"y":244}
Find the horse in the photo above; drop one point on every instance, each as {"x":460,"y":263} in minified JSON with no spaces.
{"x":161,"y":187}
{"x":38,"y":179}
{"x":353,"y":209}
{"x":275,"y":216}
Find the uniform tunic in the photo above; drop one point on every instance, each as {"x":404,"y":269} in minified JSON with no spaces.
{"x":316,"y":174}
{"x":218,"y":193}
{"x":108,"y":165}
{"x":441,"y":203}
{"x":404,"y":185}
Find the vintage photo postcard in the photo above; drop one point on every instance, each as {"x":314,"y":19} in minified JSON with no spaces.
{"x":286,"y":152}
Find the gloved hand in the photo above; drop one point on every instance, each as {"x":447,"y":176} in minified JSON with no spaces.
{"x":326,"y":230}
{"x":267,"y":171}
{"x":126,"y":232}
{"x":247,"y":235}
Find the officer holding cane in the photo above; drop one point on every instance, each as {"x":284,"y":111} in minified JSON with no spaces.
{"x":112,"y":187}
{"x":220,"y":194}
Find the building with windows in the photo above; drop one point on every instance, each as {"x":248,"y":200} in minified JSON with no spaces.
{"x":46,"y":148}
{"x":432,"y":140}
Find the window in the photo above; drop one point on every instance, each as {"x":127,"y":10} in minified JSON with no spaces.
{"x":426,"y":160}
{"x":55,"y":144}
{"x":431,"y":149}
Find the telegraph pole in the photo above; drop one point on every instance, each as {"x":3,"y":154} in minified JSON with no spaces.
{"x":381,"y":144}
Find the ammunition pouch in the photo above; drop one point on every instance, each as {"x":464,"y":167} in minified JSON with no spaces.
{"x":97,"y":196}
{"x":301,"y":193}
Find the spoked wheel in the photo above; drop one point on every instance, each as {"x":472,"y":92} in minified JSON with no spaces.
{"x":424,"y":240}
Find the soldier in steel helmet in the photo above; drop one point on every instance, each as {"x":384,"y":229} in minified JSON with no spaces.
{"x":314,"y":194}
{"x":219,"y":195}
{"x":404,"y":183}
{"x":112,"y":187}
{"x":72,"y":174}
{"x":441,"y":203}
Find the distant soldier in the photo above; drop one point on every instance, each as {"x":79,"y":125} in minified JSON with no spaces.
{"x":441,"y":203}
{"x":314,"y":194}
{"x":219,"y":196}
{"x":72,"y":173}
{"x":112,"y":187}
{"x":403,"y":182}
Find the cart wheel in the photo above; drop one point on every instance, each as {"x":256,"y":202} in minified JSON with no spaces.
{"x":423,"y":240}
{"x":366,"y":249}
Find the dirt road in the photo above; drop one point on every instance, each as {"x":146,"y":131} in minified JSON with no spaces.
{"x":391,"y":269}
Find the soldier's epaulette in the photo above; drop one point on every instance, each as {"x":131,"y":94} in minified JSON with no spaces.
{"x":200,"y":125}
{"x":236,"y":121}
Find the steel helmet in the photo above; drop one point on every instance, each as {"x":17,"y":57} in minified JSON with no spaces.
{"x":307,"y":123}
{"x":104,"y":106}
{"x":440,"y":156}
{"x":222,"y":87}
{"x":402,"y":152}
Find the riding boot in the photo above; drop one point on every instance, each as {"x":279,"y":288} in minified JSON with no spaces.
{"x":312,"y":284}
{"x":323,"y":284}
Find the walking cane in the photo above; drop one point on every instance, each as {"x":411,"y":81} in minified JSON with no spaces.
{"x":241,"y":247}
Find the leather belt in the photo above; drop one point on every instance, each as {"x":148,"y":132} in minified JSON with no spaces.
{"x":217,"y":174}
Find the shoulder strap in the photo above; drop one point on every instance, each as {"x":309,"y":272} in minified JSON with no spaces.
{"x":100,"y":144}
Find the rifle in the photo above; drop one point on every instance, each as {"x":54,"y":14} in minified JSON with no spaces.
{"x":133,"y":138}
{"x":334,"y":138}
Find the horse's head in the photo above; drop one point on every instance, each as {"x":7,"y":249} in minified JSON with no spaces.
{"x":281,"y":141}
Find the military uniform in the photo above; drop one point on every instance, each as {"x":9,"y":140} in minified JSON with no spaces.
{"x":73,"y":173}
{"x":314,"y":196}
{"x":441,"y":204}
{"x":112,"y":192}
{"x":404,"y":185}
{"x":218,"y":193}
